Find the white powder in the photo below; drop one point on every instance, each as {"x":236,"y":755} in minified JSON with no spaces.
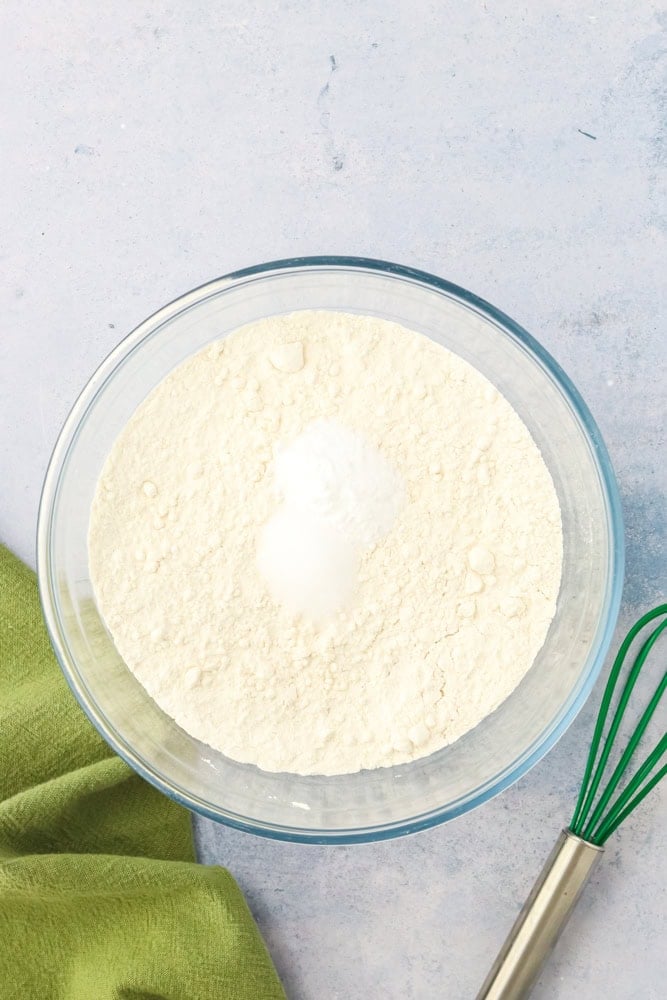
{"x":339,"y":495}
{"x":308,"y":565}
{"x":447,"y":592}
{"x":334,"y":473}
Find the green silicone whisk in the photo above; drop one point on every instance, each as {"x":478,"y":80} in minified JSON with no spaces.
{"x":580,"y":846}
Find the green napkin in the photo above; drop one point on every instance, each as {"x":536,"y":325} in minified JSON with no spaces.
{"x":100,"y":898}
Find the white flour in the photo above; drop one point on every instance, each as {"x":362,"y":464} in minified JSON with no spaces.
{"x":447,"y":610}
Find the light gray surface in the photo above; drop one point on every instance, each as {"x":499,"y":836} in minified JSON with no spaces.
{"x":149,"y":147}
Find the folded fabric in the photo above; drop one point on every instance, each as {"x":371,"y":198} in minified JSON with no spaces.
{"x":100,"y":895}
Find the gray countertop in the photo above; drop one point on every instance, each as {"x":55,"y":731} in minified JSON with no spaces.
{"x":516,"y":151}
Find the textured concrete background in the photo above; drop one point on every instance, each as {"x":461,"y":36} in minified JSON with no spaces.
{"x":149,"y":147}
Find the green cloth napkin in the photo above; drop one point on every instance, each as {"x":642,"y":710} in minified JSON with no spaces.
{"x":100,"y":898}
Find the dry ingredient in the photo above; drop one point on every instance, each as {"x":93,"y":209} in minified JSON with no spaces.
{"x":339,"y":495}
{"x":221,"y":498}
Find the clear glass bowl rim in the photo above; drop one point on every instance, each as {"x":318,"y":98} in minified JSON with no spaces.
{"x":540,"y":747}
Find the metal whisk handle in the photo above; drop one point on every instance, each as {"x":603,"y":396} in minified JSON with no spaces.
{"x":542,"y":918}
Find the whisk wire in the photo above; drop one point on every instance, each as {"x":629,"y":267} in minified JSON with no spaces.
{"x":584,"y":799}
{"x":615,"y":818}
{"x":614,"y":727}
{"x":627,"y":754}
{"x":596,"y":827}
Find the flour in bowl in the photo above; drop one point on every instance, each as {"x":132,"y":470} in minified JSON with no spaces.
{"x":326,"y":543}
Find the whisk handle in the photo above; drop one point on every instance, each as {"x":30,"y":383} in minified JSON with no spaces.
{"x":542,"y":918}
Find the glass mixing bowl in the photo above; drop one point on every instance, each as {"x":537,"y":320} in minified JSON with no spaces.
{"x":385,"y":802}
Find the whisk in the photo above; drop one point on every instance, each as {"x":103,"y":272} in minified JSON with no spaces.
{"x":580,"y":846}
